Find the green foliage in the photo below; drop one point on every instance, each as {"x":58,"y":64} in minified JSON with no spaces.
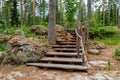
{"x":117,"y":53}
{"x":71,"y":7}
{"x":108,"y":65}
{"x":2,"y":46}
{"x":111,"y":40}
{"x":2,"y":24}
{"x":96,"y":29}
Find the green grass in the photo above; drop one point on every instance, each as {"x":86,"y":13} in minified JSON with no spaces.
{"x":26,"y":29}
{"x":113,"y":40}
{"x":117,"y":53}
{"x":2,"y":46}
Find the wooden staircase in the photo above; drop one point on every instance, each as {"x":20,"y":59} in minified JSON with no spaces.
{"x":64,"y":56}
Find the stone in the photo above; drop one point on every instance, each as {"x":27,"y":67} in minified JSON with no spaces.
{"x":4,"y":37}
{"x":22,"y":50}
{"x":94,"y":51}
{"x":39,"y":30}
{"x":99,"y":64}
{"x":62,"y":35}
{"x":1,"y":53}
{"x":59,"y":28}
{"x":19,"y":32}
{"x":101,"y":46}
{"x":101,"y":76}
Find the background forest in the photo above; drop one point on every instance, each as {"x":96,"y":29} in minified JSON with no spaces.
{"x":23,"y":13}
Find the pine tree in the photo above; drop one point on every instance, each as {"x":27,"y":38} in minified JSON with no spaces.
{"x":14,"y":14}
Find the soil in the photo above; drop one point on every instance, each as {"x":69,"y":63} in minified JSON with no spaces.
{"x":22,"y":72}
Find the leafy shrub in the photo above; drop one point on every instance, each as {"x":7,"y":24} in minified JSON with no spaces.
{"x":117,"y":53}
{"x":2,"y":23}
{"x":97,"y":30}
{"x":2,"y":46}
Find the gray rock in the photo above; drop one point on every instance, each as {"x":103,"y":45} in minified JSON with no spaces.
{"x":1,"y":54}
{"x":101,"y":76}
{"x":19,"y":32}
{"x":99,"y":64}
{"x":101,"y":46}
{"x":94,"y":51}
{"x":8,"y":47}
{"x":21,"y":43}
{"x":22,"y":50}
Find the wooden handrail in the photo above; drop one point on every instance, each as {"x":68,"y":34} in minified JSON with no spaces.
{"x":78,"y":45}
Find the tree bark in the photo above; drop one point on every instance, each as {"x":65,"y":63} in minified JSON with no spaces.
{"x":43,"y":10}
{"x":89,"y":17}
{"x":119,"y":15}
{"x":108,"y":11}
{"x":103,"y":11}
{"x":52,"y":22}
{"x":21,"y":10}
{"x":2,"y":9}
{"x":34,"y":4}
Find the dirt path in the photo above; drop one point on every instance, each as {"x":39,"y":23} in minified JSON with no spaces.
{"x":23,"y":72}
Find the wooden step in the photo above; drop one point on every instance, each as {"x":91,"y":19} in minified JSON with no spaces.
{"x":59,"y":66}
{"x":69,"y":43}
{"x":67,"y":49}
{"x":64,"y":46}
{"x":62,"y":54}
{"x":58,"y":59}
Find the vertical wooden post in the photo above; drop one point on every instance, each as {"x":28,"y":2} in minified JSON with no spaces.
{"x":52,"y":22}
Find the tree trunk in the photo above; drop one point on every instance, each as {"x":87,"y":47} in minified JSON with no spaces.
{"x":21,"y":10}
{"x":119,"y":15}
{"x":34,"y":1}
{"x":60,"y":12}
{"x":2,"y":9}
{"x":43,"y":10}
{"x":103,"y":11}
{"x":108,"y":11}
{"x":89,"y":17}
{"x":52,"y":22}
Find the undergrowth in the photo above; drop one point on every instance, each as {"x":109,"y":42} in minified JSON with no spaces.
{"x":111,"y":40}
{"x":2,"y":46}
{"x":26,"y":29}
{"x":117,"y":53}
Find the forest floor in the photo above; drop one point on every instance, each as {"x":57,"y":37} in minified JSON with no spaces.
{"x":22,"y":72}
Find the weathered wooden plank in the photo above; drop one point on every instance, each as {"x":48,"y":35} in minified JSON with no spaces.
{"x":67,"y":49}
{"x":64,"y":46}
{"x":58,"y":59}
{"x":61,"y":54}
{"x":60,"y":66}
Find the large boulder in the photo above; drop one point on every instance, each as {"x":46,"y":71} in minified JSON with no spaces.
{"x":39,"y":30}
{"x":62,"y":35}
{"x":20,"y":50}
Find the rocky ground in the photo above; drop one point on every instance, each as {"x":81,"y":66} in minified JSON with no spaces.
{"x":98,"y":70}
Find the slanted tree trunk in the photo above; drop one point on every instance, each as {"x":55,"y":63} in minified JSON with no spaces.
{"x":52,"y":22}
{"x":119,"y":15}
